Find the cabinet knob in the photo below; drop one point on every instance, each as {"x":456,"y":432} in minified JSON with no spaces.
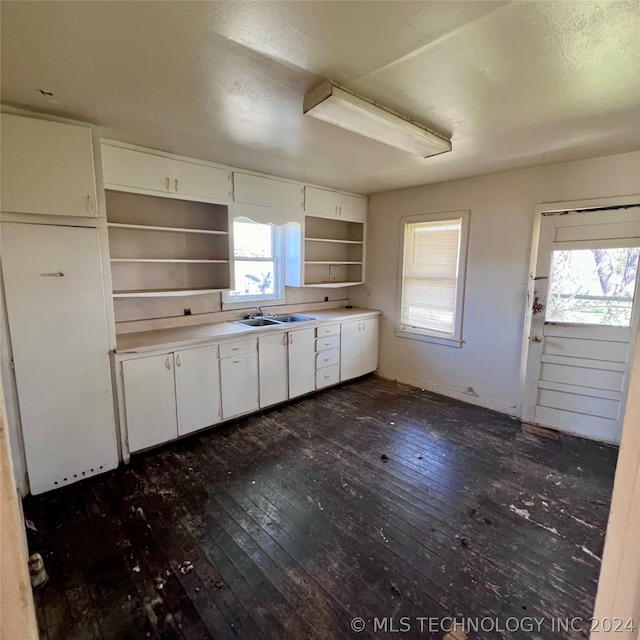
{"x":178,"y":360}
{"x":167,"y":363}
{"x":167,"y":181}
{"x":175,"y":184}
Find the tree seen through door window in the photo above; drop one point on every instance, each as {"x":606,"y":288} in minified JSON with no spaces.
{"x":592,"y":286}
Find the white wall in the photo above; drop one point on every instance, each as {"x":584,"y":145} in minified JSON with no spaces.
{"x":486,"y":369}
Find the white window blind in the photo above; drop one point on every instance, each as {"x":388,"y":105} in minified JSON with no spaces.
{"x":430,"y":276}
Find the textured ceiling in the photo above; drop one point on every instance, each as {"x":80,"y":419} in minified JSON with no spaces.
{"x":513,"y":84}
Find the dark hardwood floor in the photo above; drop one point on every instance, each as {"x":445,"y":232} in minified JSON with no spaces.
{"x":372,"y":500}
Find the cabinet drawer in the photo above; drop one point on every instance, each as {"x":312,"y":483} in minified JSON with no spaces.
{"x":238,"y":348}
{"x":332,"y":342}
{"x":327,"y":358}
{"x":327,"y":376}
{"x":328,"y":330}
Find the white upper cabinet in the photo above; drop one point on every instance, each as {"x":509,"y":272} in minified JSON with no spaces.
{"x":266,"y":200}
{"x":47,"y":167}
{"x":331,"y":204}
{"x":132,"y":170}
{"x":192,"y":180}
{"x":128,"y":168}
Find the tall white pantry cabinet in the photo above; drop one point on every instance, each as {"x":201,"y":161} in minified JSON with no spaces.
{"x":55,"y":300}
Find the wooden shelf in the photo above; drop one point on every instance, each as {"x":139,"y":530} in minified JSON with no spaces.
{"x":329,"y":262}
{"x":332,"y":285}
{"x":161,"y":293}
{"x":334,"y":241}
{"x":165,"y":260}
{"x":145,"y":227}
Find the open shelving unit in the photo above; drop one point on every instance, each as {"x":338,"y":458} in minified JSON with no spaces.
{"x":167,"y":247}
{"x":332,"y":253}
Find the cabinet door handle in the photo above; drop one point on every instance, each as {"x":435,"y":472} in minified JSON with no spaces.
{"x":167,"y":181}
{"x":326,"y":359}
{"x":175,"y":184}
{"x":167,"y":363}
{"x":291,"y":338}
{"x":237,"y":361}
{"x":178,"y":360}
{"x":57,"y":274}
{"x":284,"y":339}
{"x":235,"y":349}
{"x":89,"y":204}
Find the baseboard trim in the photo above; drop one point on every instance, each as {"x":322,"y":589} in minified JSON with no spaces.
{"x":451,"y":392}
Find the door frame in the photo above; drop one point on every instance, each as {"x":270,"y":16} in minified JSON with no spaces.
{"x":526,"y":386}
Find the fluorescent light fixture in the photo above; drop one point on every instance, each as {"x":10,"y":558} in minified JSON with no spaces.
{"x":336,"y":105}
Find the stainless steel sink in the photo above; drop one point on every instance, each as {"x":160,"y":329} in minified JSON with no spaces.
{"x":292,"y":318}
{"x":258,"y":322}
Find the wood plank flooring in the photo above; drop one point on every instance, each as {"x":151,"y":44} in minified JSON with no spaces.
{"x":373,"y":500}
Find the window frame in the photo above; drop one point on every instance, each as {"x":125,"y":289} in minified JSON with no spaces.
{"x":230,"y":302}
{"x":427,"y":335}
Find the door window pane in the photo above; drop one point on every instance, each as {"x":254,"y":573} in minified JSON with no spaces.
{"x":592,"y":286}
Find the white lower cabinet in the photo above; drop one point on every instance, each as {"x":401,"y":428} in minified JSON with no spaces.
{"x":176,"y":393}
{"x":302,"y":367}
{"x":170,"y":395}
{"x":274,"y":369}
{"x":150,"y":401}
{"x":239,"y":378}
{"x":197,"y":388}
{"x":358,"y":348}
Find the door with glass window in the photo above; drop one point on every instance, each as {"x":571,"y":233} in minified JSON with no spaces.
{"x":584,"y":322}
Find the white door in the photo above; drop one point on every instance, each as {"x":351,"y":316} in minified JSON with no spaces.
{"x":350,"y":349}
{"x":47,"y":167}
{"x":150,"y":401}
{"x":302,"y":362}
{"x":55,"y":304}
{"x":197,"y":388}
{"x":584,"y":322}
{"x":239,"y":383}
{"x":274,"y":375}
{"x":369,"y":340}
{"x":200,"y":181}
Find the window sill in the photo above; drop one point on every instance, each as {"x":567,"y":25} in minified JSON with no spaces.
{"x":425,"y":337}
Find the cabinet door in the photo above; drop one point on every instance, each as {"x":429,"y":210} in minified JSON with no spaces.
{"x":150,"y":401}
{"x":239,"y":382}
{"x":266,"y":192}
{"x":192,"y":180}
{"x":135,"y":169}
{"x":369,"y":336}
{"x":47,"y":167}
{"x":352,"y":208}
{"x":274,"y":375}
{"x":302,"y":357}
{"x":56,"y":312}
{"x":351,"y":350}
{"x":321,"y":202}
{"x":197,"y":388}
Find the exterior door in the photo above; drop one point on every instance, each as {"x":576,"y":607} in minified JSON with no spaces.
{"x":584,"y":322}
{"x":53,"y":287}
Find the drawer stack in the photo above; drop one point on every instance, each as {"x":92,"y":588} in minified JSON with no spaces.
{"x":327,"y":355}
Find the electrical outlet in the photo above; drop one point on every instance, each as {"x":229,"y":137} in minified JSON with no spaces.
{"x":326,"y":298}
{"x":187,"y":312}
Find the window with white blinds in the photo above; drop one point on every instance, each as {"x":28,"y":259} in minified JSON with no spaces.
{"x":432,"y":275}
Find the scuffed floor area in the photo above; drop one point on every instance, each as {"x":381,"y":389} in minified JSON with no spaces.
{"x":373,"y":501}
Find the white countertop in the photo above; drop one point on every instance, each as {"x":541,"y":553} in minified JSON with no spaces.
{"x":160,"y":339}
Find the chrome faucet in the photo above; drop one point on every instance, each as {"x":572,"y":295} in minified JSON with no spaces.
{"x":258,"y":313}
